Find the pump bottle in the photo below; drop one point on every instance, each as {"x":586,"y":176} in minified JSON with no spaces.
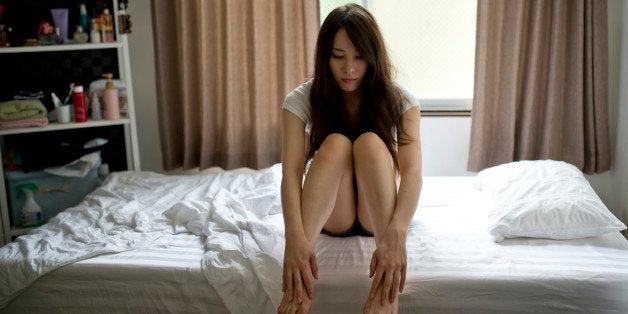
{"x":110,"y":96}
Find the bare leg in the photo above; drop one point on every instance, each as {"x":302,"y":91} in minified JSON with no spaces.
{"x":377,"y":196}
{"x":327,"y":199}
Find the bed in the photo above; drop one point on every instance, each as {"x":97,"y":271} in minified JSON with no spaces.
{"x":213,"y":243}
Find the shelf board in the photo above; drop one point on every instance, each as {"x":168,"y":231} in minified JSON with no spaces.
{"x":64,"y":47}
{"x":18,"y":231}
{"x":66,"y":126}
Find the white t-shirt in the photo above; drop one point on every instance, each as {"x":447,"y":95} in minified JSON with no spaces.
{"x":298,"y":102}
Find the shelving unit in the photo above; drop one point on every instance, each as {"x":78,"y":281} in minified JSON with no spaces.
{"x":126,"y":122}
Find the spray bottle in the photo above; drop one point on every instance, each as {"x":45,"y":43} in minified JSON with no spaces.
{"x":32,"y":215}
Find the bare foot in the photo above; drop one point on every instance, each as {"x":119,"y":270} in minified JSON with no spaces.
{"x":290,"y":307}
{"x":374,"y":305}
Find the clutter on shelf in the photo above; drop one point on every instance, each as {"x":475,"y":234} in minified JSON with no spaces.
{"x":94,"y":24}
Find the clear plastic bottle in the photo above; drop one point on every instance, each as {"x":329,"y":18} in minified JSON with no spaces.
{"x":32,"y":215}
{"x":96,"y":110}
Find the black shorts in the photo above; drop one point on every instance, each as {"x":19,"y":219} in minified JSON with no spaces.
{"x":355,"y":230}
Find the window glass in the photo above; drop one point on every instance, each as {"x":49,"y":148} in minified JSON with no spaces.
{"x":431,"y":44}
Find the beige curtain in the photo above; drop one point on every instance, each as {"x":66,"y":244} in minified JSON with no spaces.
{"x":541,"y":89}
{"x":224,"y":68}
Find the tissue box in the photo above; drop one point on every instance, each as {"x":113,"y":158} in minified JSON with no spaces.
{"x":55,"y":193}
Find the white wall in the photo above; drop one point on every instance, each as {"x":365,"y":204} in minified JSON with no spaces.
{"x":445,"y":140}
{"x":621,"y":140}
{"x":143,"y":72}
{"x":445,"y":145}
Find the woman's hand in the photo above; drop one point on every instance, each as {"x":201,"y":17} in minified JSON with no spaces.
{"x":388,"y":265}
{"x":299,"y":266}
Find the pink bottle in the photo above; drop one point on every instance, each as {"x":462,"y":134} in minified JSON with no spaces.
{"x":112,"y":102}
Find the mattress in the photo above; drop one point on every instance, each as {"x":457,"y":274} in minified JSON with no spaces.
{"x":453,"y":266}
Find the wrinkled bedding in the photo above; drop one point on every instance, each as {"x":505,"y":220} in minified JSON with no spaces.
{"x":133,"y":209}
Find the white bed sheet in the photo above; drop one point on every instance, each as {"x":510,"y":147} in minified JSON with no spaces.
{"x":454,"y":266}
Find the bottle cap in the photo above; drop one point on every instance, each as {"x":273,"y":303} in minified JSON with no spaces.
{"x":27,"y":187}
{"x":78,"y":88}
{"x":109,"y":84}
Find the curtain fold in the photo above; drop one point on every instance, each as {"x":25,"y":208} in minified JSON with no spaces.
{"x":223,"y":70}
{"x":541,"y":83}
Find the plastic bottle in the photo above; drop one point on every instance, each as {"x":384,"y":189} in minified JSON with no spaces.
{"x":107,"y":23}
{"x":96,"y":111}
{"x":32,"y":215}
{"x":83,"y":19}
{"x":94,"y":31}
{"x":110,"y":96}
{"x":57,"y":39}
{"x":78,"y":99}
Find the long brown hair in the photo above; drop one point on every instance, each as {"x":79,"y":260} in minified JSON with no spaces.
{"x":381,"y":103}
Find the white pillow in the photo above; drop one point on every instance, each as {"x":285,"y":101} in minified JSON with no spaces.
{"x":543,"y":199}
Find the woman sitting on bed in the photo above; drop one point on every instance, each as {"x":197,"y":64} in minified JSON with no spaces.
{"x":362,"y":160}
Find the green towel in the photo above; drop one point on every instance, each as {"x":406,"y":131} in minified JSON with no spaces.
{"x":22,"y":109}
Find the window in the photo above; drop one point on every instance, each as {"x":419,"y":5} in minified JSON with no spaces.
{"x":431,"y":44}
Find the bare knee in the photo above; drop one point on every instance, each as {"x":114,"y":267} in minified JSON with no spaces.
{"x":369,"y":146}
{"x":334,"y":146}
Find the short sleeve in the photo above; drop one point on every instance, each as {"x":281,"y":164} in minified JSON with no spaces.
{"x":412,"y":100}
{"x":298,"y":102}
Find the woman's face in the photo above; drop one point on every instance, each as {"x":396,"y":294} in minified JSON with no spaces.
{"x":346,"y":63}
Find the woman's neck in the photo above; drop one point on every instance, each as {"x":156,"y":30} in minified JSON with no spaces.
{"x":352,"y":101}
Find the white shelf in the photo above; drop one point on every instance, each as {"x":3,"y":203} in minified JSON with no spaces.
{"x":7,"y":231}
{"x":66,"y":126}
{"x":64,"y":47}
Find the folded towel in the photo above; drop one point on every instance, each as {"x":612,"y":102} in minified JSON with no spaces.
{"x":22,"y":109}
{"x":23,"y":123}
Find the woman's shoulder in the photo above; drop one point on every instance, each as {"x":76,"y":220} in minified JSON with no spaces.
{"x":302,"y":90}
{"x":410,"y":98}
{"x":298,"y":101}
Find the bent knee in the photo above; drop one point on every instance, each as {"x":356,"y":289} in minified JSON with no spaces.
{"x":335,"y":144}
{"x":368,"y":142}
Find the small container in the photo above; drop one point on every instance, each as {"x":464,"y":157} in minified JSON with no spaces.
{"x":110,"y":96}
{"x":78,"y":99}
{"x":56,"y":38}
{"x":107,"y":24}
{"x":63,"y":114}
{"x":94,"y":32}
{"x":96,"y":110}
{"x":80,"y":36}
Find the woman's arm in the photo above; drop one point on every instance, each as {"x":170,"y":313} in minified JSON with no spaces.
{"x":409,"y":158}
{"x":389,"y":261}
{"x":299,"y":258}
